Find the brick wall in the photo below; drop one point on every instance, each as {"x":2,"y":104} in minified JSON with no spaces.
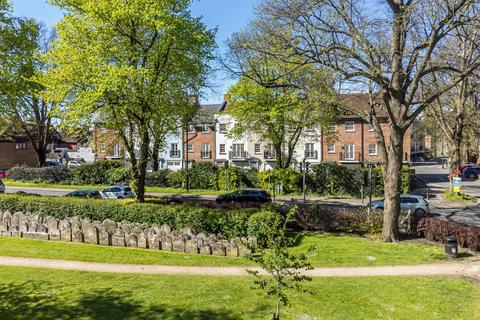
{"x":197,"y":138}
{"x":10,"y":156}
{"x":105,"y":141}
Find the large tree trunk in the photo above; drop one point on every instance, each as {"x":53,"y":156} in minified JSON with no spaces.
{"x":155,"y":151}
{"x":41,"y":155}
{"x":142,"y":166}
{"x":392,"y":177}
{"x":279,"y":154}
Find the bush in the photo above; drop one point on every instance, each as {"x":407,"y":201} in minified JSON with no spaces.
{"x":158,"y":179}
{"x":237,"y":178}
{"x":47,"y":175}
{"x":289,"y":179}
{"x":468,"y":236}
{"x":203,"y":175}
{"x":95,"y":173}
{"x":330,"y":219}
{"x":229,"y":223}
{"x":259,"y":224}
{"x":176,"y":179}
{"x":116,"y":175}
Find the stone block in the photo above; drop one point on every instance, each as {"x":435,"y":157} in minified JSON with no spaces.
{"x":132,"y":240}
{"x":104,"y":238}
{"x":16,"y":234}
{"x":66,"y":234}
{"x":179,"y":245}
{"x":218,"y":250}
{"x":118,"y":238}
{"x":6,"y":234}
{"x":55,"y":235}
{"x":142,"y":241}
{"x":231,"y":250}
{"x":191,"y":246}
{"x":166,"y":228}
{"x":205,"y":249}
{"x":153,"y":242}
{"x":244,"y":251}
{"x":90,"y":233}
{"x":166,"y":243}
{"x":110,"y":225}
{"x":52,"y":224}
{"x":77,"y":236}
{"x":36,"y":235}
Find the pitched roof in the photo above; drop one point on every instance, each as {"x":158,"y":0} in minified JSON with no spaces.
{"x":206,"y":112}
{"x":355,"y":103}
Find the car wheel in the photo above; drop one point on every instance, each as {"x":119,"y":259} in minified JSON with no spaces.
{"x":471,"y":176}
{"x":420,"y":213}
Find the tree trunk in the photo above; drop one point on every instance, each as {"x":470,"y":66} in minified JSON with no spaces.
{"x":155,"y":151}
{"x":278,"y":150}
{"x":142,"y":166}
{"x":41,"y":156}
{"x":392,"y":177}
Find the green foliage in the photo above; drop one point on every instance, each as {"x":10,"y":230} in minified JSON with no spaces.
{"x":48,"y":175}
{"x":284,"y":268}
{"x":259,"y":225}
{"x":176,"y":179}
{"x":289,"y":179}
{"x":158,"y":179}
{"x":95,"y":173}
{"x":230,"y":223}
{"x":458,"y":197}
{"x":203,"y":175}
{"x":237,"y":178}
{"x":117,"y":175}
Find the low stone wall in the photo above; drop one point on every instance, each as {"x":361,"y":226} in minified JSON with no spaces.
{"x":124,"y":234}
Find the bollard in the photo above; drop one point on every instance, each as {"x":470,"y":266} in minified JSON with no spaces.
{"x":451,"y":246}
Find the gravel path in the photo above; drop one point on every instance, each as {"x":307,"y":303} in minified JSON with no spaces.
{"x":468,"y":269}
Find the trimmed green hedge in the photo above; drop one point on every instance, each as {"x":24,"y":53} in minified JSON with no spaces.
{"x":230,"y":223}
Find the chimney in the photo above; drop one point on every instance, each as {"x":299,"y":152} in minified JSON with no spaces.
{"x":193,"y":99}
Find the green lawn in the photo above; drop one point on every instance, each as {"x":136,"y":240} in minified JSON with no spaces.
{"x":27,"y":294}
{"x":331,"y":250}
{"x":12,"y":183}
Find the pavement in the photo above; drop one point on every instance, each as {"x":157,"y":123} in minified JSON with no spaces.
{"x":469,"y":269}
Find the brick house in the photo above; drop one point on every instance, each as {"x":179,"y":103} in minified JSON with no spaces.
{"x":107,"y":144}
{"x":353,"y":140}
{"x":199,"y":139}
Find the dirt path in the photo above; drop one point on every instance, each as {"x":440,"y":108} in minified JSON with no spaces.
{"x":468,"y":269}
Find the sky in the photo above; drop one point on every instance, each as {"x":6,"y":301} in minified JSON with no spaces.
{"x":228,"y":15}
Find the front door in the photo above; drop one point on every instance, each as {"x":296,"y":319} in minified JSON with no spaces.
{"x":349,"y":152}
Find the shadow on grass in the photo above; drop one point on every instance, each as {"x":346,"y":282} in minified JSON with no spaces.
{"x":32,"y":301}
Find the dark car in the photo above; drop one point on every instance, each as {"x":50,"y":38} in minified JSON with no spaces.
{"x":471,"y":172}
{"x":245,"y":195}
{"x":85,"y":193}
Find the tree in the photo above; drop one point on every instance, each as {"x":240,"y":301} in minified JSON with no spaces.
{"x":274,"y":100}
{"x":23,"y":42}
{"x":285,"y":269}
{"x":131,"y":63}
{"x":387,"y":48}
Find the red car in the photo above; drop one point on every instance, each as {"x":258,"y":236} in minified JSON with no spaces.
{"x":3,"y":174}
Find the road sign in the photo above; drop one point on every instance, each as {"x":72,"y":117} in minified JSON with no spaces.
{"x":457,"y":183}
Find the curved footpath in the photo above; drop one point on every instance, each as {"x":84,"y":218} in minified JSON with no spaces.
{"x":467,"y":269}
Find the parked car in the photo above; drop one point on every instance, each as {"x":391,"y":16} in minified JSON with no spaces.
{"x":2,"y":187}
{"x":471,"y":172}
{"x":119,"y":191}
{"x":74,"y":163}
{"x":85,"y":193}
{"x":408,"y":202}
{"x":245,"y":195}
{"x":3,"y":173}
{"x":53,"y":164}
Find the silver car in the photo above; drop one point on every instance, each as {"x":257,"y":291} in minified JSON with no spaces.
{"x":119,"y":191}
{"x":2,"y":187}
{"x":408,"y":202}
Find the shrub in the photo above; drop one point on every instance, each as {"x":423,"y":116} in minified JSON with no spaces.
{"x":95,"y":173}
{"x":116,"y":175}
{"x":176,"y":179}
{"x":230,"y":223}
{"x":458,"y":197}
{"x":47,"y":175}
{"x":259,"y":224}
{"x":468,"y":236}
{"x":203,"y":175}
{"x":332,"y":219}
{"x":289,"y":179}
{"x":331,"y":179}
{"x":158,"y":179}
{"x":237,"y":178}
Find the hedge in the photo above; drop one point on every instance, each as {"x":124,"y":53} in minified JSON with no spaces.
{"x":229,"y":223}
{"x":468,"y":236}
{"x":48,"y":175}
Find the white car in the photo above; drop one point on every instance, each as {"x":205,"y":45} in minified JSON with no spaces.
{"x":2,"y":187}
{"x":74,"y":163}
{"x":117,"y":192}
{"x":408,"y":202}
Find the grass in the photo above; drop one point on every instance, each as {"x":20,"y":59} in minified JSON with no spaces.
{"x":458,"y":197}
{"x":27,"y":293}
{"x":13,"y":183}
{"x":331,"y":250}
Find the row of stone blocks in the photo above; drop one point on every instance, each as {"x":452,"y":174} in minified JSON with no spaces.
{"x":109,"y":233}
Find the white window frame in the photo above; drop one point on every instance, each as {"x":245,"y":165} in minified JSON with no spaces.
{"x":224,"y":147}
{"x":348,"y":123}
{"x":328,"y":148}
{"x":259,"y":150}
{"x":20,"y":146}
{"x":370,"y":127}
{"x":190,"y":128}
{"x":205,"y":149}
{"x":102,"y":147}
{"x":332,"y":128}
{"x":205,"y":128}
{"x":116,"y":150}
{"x":376,"y":149}
{"x":175,"y":152}
{"x":353,"y":153}
{"x":222,"y":128}
{"x":190,"y":147}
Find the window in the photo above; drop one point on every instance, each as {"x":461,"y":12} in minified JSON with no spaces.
{"x":222,"y":128}
{"x":309,"y":151}
{"x":257,"y":148}
{"x":370,"y":128}
{"x":350,"y":152}
{"x":349,"y":125}
{"x":372,"y":149}
{"x":174,"y":152}
{"x":190,"y":147}
{"x":205,"y":151}
{"x":103,"y":130}
{"x":116,"y":150}
{"x":190,"y":128}
{"x":222,"y":149}
{"x":238,"y":151}
{"x":205,"y":127}
{"x":332,"y":128}
{"x":20,"y":146}
{"x":331,"y":148}
{"x":103,"y":147}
